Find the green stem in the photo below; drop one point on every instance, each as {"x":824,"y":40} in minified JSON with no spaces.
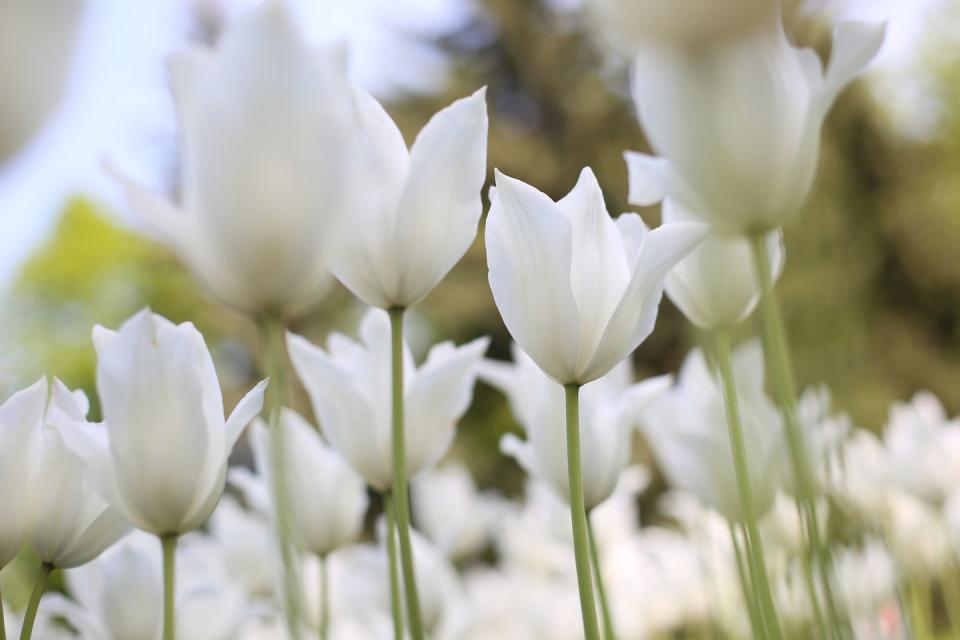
{"x":30,"y":617}
{"x":324,"y":599}
{"x":3,"y":628}
{"x":822,"y":629}
{"x":396,"y":606}
{"x":273,"y":338}
{"x":756,"y":619}
{"x":784,"y":389}
{"x":951,"y":597}
{"x":919,"y":595}
{"x":608,"y":629}
{"x":761,"y":586}
{"x":578,"y":515}
{"x":169,"y":545}
{"x":400,"y":490}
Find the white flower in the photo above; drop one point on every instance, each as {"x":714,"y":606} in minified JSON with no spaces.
{"x":268,"y":161}
{"x":450,"y":511}
{"x":326,"y":498}
{"x":422,"y":207}
{"x":19,"y":417}
{"x":717,"y":285}
{"x":35,"y":42}
{"x":924,"y":448}
{"x":738,"y":122}
{"x":687,"y":429}
{"x":244,"y":541}
{"x":349,"y":385}
{"x":577,"y":291}
{"x":609,"y":409}
{"x":69,"y":524}
{"x":628,"y":24}
{"x":120,"y":595}
{"x":161,"y":460}
{"x":866,"y":577}
{"x":908,"y":521}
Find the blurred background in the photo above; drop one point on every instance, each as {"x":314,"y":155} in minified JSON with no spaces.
{"x":872,"y":283}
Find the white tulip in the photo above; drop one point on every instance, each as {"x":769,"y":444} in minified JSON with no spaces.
{"x":327,"y":499}
{"x":577,"y":291}
{"x":19,"y":417}
{"x":349,"y":385}
{"x":36,"y":40}
{"x":422,"y":207}
{"x":629,"y":24}
{"x":69,"y":524}
{"x":609,"y":410}
{"x":716,"y":285}
{"x":244,"y":541}
{"x":687,"y":429}
{"x":268,"y":159}
{"x":737,"y":123}
{"x":161,"y":460}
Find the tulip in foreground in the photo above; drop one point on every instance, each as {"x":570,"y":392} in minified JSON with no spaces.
{"x":737,"y":123}
{"x":161,"y":459}
{"x":266,"y":164}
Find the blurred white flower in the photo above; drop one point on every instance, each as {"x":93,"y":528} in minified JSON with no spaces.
{"x":244,"y":541}
{"x":119,"y":595}
{"x":161,"y":459}
{"x":908,"y":521}
{"x":327,"y":499}
{"x":867,"y":578}
{"x":36,"y":39}
{"x":610,"y":407}
{"x":687,"y":429}
{"x":422,"y":216}
{"x":629,"y":24}
{"x":716,"y":285}
{"x":266,"y":122}
{"x":69,"y":524}
{"x":349,"y":385}
{"x":448,"y":509}
{"x":19,"y":417}
{"x":861,"y":478}
{"x":737,"y":123}
{"x":924,"y":448}
{"x":577,"y":291}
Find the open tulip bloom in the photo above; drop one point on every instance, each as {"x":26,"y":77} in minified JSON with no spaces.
{"x":737,"y":123}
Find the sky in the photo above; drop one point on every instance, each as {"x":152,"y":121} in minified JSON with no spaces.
{"x":116,"y":105}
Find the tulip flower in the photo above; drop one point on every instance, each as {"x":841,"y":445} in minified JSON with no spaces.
{"x":36,"y":40}
{"x":716,"y":286}
{"x":737,"y":123}
{"x":687,"y":430}
{"x":577,"y":290}
{"x":348,"y":384}
{"x":161,"y":460}
{"x":267,"y":156}
{"x":69,"y":524}
{"x":451,"y":512}
{"x":423,"y":214}
{"x":328,"y":500}
{"x":609,"y":411}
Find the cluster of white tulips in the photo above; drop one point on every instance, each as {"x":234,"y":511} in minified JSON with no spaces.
{"x":293,"y":177}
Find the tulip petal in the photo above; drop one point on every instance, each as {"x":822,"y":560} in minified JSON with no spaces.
{"x":855,"y":45}
{"x":529,"y":250}
{"x":634,"y":318}
{"x":438,"y":395}
{"x":599,"y":270}
{"x":246,"y":410}
{"x":340,"y":407}
{"x":167,"y":223}
{"x":441,"y":205}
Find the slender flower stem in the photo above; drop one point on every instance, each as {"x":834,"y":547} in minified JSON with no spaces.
{"x":919,"y":596}
{"x":3,"y":628}
{"x":609,"y":632}
{"x":273,"y":340}
{"x":400,"y":490}
{"x":324,"y":598}
{"x":169,"y":545}
{"x":578,"y":515}
{"x":761,"y":587}
{"x":396,"y":605}
{"x":30,"y":616}
{"x":756,"y":619}
{"x":951,"y":598}
{"x":784,"y":389}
